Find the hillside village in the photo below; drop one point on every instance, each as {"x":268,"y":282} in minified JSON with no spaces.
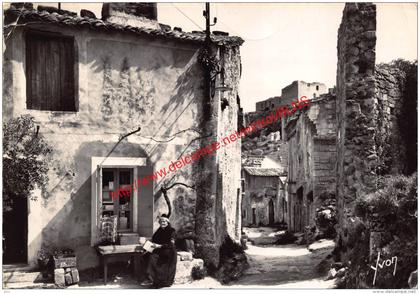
{"x":313,"y":199}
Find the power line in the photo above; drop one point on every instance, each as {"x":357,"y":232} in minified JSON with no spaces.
{"x":187,"y":16}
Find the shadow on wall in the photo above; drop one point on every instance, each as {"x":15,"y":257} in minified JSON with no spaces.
{"x":71,"y":225}
{"x":147,"y":85}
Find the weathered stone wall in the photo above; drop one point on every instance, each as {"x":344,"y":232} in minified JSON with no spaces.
{"x":123,"y":82}
{"x":268,"y":104}
{"x":312,"y":156}
{"x":391,"y":83}
{"x":230,"y":158}
{"x":376,"y":117}
{"x":298,"y":89}
{"x":259,"y":191}
{"x":357,"y":111}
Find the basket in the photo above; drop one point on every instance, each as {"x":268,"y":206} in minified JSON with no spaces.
{"x":64,"y":261}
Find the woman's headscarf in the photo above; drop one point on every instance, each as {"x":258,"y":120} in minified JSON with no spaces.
{"x":164,"y":217}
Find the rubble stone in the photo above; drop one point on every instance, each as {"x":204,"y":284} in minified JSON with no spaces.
{"x":59,"y":278}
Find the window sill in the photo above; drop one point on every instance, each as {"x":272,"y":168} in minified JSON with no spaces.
{"x":54,"y":116}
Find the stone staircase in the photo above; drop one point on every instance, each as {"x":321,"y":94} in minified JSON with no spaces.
{"x":23,"y":276}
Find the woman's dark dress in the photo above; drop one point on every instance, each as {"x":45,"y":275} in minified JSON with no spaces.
{"x":162,"y":262}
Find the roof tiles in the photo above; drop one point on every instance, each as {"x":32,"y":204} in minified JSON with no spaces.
{"x":33,"y":15}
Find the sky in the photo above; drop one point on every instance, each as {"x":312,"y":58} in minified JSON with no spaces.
{"x":285,"y":42}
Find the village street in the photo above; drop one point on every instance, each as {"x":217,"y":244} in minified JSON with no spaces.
{"x":276,"y":266}
{"x":203,"y":146}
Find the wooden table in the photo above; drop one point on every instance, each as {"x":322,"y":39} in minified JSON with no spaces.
{"x":109,"y":251}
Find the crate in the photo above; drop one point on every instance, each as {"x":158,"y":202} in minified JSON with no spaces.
{"x":64,"y":261}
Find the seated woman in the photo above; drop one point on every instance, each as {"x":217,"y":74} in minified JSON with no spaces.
{"x":161,"y":263}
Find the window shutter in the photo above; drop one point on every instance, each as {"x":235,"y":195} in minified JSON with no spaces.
{"x":145,"y":202}
{"x":98,"y":201}
{"x":50,"y":72}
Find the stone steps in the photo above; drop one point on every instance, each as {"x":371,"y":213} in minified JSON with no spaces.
{"x":15,"y":279}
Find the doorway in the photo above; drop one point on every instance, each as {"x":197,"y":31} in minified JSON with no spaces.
{"x":309,"y":208}
{"x":300,"y":221}
{"x":271,"y":212}
{"x":254,"y":216}
{"x":15,"y":232}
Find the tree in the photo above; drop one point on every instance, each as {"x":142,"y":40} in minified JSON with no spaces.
{"x":25,"y":159}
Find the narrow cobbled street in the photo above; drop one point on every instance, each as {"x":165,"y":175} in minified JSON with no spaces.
{"x":277,"y":266}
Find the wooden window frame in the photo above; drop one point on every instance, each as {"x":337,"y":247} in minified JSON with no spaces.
{"x":31,"y":33}
{"x":97,"y":164}
{"x":116,"y":201}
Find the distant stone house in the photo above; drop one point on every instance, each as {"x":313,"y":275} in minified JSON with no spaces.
{"x":89,"y":83}
{"x":311,"y":137}
{"x":264,"y":195}
{"x":292,"y":92}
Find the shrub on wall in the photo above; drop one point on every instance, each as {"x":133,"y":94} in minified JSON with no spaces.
{"x":391,"y":213}
{"x":25,"y":154}
{"x":326,"y":216}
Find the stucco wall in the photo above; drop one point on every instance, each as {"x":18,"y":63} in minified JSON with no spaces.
{"x":123,"y":82}
{"x":230,"y":156}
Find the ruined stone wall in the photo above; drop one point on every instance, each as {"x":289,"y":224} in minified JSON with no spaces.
{"x":390,"y":85}
{"x":124,"y":82}
{"x":376,"y":115}
{"x":312,"y":156}
{"x":298,"y":89}
{"x":258,"y":193}
{"x":357,"y":111}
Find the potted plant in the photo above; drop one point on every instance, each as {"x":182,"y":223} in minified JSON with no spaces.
{"x":43,"y":259}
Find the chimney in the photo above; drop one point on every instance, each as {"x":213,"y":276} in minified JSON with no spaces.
{"x":132,"y":13}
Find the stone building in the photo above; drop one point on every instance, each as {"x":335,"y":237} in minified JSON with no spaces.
{"x":298,"y":89}
{"x":119,"y":98}
{"x":376,"y":124}
{"x":291,"y":93}
{"x":264,"y":197}
{"x":267,"y":104}
{"x":311,"y":135}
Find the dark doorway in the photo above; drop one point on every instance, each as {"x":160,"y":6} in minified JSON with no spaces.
{"x":271,"y":212}
{"x":15,"y":232}
{"x":299,"y":196}
{"x":254,"y":216}
{"x":309,"y":207}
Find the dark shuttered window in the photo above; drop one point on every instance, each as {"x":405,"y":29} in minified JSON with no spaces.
{"x":50,"y":72}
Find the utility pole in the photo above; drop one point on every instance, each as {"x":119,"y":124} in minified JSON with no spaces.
{"x":206,"y":223}
{"x":207,"y":16}
{"x":207,"y":77}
